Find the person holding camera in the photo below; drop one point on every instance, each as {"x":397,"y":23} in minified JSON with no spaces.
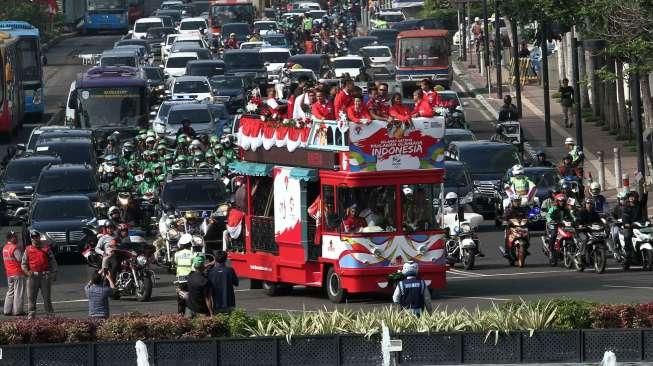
{"x":98,"y":294}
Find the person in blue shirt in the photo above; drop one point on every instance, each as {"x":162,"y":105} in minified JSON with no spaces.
{"x":223,"y":279}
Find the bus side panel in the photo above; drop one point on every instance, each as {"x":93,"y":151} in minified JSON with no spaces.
{"x":288,"y":221}
{"x":13,"y":102}
{"x":270,"y":267}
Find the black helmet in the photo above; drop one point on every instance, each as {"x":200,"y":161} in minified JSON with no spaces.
{"x":34,"y":234}
{"x":541,"y":153}
{"x":499,"y":129}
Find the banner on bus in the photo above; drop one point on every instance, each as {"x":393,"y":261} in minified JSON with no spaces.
{"x":381,"y":146}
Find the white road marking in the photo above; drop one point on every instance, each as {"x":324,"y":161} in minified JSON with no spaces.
{"x":630,"y":287}
{"x":476,"y":298}
{"x":65,"y":301}
{"x":467,"y":274}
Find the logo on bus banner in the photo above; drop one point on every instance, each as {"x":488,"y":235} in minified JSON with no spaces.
{"x":379,"y":147}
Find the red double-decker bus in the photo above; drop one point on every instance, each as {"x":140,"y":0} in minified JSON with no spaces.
{"x":230,"y":11}
{"x":338,"y":205}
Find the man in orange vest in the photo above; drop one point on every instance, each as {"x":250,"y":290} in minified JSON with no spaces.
{"x":41,"y":268}
{"x":11,"y":256}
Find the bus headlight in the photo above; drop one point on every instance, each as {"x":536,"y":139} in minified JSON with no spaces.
{"x":36,"y":96}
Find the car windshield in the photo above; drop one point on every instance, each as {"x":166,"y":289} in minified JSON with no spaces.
{"x":347,"y":64}
{"x":188,"y":43}
{"x":387,"y":36}
{"x":194,"y":193}
{"x":63,"y":209}
{"x":227,"y":83}
{"x":192,"y":24}
{"x":393,"y":18}
{"x":376,"y":52}
{"x":266,"y":26}
{"x":158,"y":33}
{"x":276,"y":41}
{"x":239,"y":29}
{"x":416,"y":52}
{"x":456,"y":176}
{"x":307,"y":63}
{"x":548,"y":178}
{"x":222,"y":14}
{"x":178,"y":62}
{"x":106,"y":4}
{"x":275,"y":57}
{"x":66,"y":182}
{"x":296,"y":75}
{"x":191,"y":86}
{"x":171,"y":39}
{"x":104,"y":106}
{"x":24,"y":171}
{"x":356,"y":44}
{"x":175,"y":15}
{"x":195,"y":115}
{"x":317,"y":14}
{"x":451,"y":137}
{"x":489,"y":160}
{"x":153,"y":73}
{"x":144,"y":26}
{"x":118,"y":61}
{"x":207,"y":70}
{"x":448,"y":96}
{"x":243,"y":60}
{"x":69,"y":153}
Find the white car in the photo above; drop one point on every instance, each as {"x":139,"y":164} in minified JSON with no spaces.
{"x":307,"y":6}
{"x":351,"y":65}
{"x":265,"y":26}
{"x":191,"y":88}
{"x":176,"y":63}
{"x":167,"y":45}
{"x":252,"y":45}
{"x":158,"y":118}
{"x":142,"y":25}
{"x":274,"y":59}
{"x":192,"y":25}
{"x":378,"y":60}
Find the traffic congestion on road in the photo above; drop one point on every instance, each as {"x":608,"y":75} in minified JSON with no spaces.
{"x":329,"y":160}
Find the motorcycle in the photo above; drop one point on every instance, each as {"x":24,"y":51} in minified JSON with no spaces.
{"x":591,"y":246}
{"x":453,"y":117}
{"x":564,"y":247}
{"x":642,"y":250}
{"x":147,"y":207}
{"x":518,"y":240}
{"x":462,"y":245}
{"x":167,"y":243}
{"x":129,"y":210}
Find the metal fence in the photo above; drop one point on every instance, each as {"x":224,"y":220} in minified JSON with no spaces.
{"x":418,"y":349}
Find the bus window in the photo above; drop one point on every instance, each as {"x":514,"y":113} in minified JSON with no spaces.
{"x":367,"y":209}
{"x":416,"y":52}
{"x":419,"y":207}
{"x":30,"y":59}
{"x":328,"y":198}
{"x":262,"y":200}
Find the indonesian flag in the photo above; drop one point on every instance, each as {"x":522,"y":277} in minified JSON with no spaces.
{"x":317,"y":211}
{"x":268,"y":136}
{"x":234,"y":222}
{"x":293,"y":139}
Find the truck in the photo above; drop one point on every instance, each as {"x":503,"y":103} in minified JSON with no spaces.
{"x":230,"y":11}
{"x":337,"y":205}
{"x":424,"y":54}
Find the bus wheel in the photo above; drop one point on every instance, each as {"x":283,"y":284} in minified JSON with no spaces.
{"x":276,"y":289}
{"x":333,"y":285}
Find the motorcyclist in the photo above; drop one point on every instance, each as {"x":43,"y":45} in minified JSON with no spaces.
{"x":556,"y":215}
{"x":128,"y":150}
{"x":113,"y":145}
{"x":105,"y":238}
{"x":148,"y":185}
{"x":520,"y":184}
{"x":232,"y":42}
{"x":630,"y":214}
{"x":198,"y":158}
{"x":114,"y":215}
{"x":575,"y":153}
{"x":567,"y":168}
{"x":616,"y":213}
{"x":599,"y":202}
{"x":183,"y":260}
{"x":451,"y":203}
{"x":587,"y":214}
{"x":513,"y":212}
{"x":121,"y":182}
{"x":541,"y":160}
{"x":508,"y":111}
{"x":186,"y":129}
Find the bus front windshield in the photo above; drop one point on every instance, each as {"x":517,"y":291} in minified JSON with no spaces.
{"x":420,"y":52}
{"x":94,"y":5}
{"x":30,"y":56}
{"x":110,"y":106}
{"x":221,"y":14}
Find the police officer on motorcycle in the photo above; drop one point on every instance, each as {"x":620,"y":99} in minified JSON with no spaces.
{"x":412,"y":293}
{"x":630,"y":214}
{"x":599,"y":202}
{"x":519,"y":182}
{"x":554,"y":217}
{"x":183,"y":261}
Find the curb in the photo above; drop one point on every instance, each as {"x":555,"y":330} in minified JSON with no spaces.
{"x":591,"y":157}
{"x":55,"y":118}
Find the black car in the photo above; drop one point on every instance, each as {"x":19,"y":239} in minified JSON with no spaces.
{"x":156,"y":80}
{"x":458,"y":180}
{"x":208,"y":68}
{"x":18,"y":182}
{"x":202,"y":53}
{"x":230,"y":90}
{"x":157,"y":35}
{"x":242,"y":31}
{"x":320,"y":64}
{"x":44,"y":133}
{"x":246,"y":62}
{"x":356,"y":43}
{"x":67,"y":179}
{"x":61,"y":220}
{"x":175,"y":15}
{"x":71,"y":150}
{"x":487,"y":162}
{"x":386,"y":37}
{"x":134,"y":42}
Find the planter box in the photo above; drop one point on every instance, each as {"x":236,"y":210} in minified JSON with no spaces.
{"x":551,"y":346}
{"x":17,"y":355}
{"x":625,"y":343}
{"x":62,"y":355}
{"x":248,"y":352}
{"x":119,"y":353}
{"x":476,"y":349}
{"x":431,"y":349}
{"x":314,"y":351}
{"x":176,"y":353}
{"x":359,"y":351}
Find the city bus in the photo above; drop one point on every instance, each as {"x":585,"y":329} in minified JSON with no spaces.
{"x":424,"y":54}
{"x":29,"y":44}
{"x":11,"y":92}
{"x":105,"y":15}
{"x":337,"y":206}
{"x":230,"y":11}
{"x":108,"y":99}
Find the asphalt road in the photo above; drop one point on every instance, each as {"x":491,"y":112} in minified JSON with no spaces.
{"x":492,"y":281}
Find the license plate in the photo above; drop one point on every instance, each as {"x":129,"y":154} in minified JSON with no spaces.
{"x":68,"y":248}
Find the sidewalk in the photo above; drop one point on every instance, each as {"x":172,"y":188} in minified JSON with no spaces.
{"x":532,"y":121}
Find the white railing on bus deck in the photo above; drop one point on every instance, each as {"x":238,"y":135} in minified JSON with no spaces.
{"x":323,"y":132}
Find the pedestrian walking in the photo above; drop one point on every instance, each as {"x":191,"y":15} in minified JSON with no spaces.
{"x":566,"y":100}
{"x":222,"y":279}
{"x":12,"y":253}
{"x":412,"y":293}
{"x":40,"y":266}
{"x":98,"y":294}
{"x":198,"y":298}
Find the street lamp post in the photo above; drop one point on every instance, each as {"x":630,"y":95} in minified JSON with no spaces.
{"x":545,"y":84}
{"x":576,"y":74}
{"x":486,"y":44}
{"x":498,"y":47}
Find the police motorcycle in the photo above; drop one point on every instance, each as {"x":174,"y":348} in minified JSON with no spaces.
{"x":591,"y":247}
{"x":527,"y":200}
{"x":462,"y":243}
{"x":642,"y":246}
{"x":171,"y":230}
{"x":453,"y":116}
{"x":512,"y":131}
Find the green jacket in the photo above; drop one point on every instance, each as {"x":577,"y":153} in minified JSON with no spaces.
{"x":557,"y":214}
{"x":145,"y":187}
{"x":121,"y":184}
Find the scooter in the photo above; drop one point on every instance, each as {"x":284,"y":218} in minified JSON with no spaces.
{"x":642,"y":248}
{"x":518,"y":240}
{"x":591,"y":246}
{"x":564,"y":247}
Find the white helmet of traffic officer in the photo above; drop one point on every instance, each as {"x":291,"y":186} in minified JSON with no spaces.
{"x":595,"y":188}
{"x":451,"y":199}
{"x":517,"y":170}
{"x":570,"y":141}
{"x":185,"y":239}
{"x":410,"y":269}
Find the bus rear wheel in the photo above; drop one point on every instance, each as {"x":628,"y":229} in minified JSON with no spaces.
{"x":333,"y":285}
{"x":276,"y":288}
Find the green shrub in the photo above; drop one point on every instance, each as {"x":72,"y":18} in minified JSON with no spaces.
{"x":238,"y":322}
{"x":203,"y":327}
{"x":573,"y":314}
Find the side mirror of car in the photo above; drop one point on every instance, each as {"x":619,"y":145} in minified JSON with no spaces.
{"x":20,"y":147}
{"x":153,"y":113}
{"x":226,"y":130}
{"x":459,"y":108}
{"x":21,"y":213}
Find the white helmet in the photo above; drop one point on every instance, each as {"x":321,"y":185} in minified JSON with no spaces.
{"x":196,"y":143}
{"x":451,"y":196}
{"x":570,"y":141}
{"x":185,"y":239}
{"x":113,"y":209}
{"x":595,"y":188}
{"x":517,"y":170}
{"x":407,"y":191}
{"x":410,"y":269}
{"x":515,"y":197}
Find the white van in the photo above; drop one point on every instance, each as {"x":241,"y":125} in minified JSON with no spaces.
{"x":274,"y":59}
{"x":192,"y":25}
{"x":142,"y":25}
{"x":176,"y":63}
{"x":70,"y":106}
